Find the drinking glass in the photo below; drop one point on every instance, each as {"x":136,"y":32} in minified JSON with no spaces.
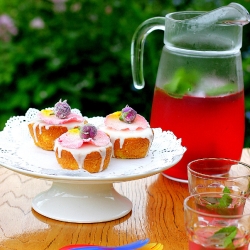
{"x":216,"y":174}
{"x":217,"y":221}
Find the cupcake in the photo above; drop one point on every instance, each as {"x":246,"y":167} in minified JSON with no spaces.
{"x":129,"y":132}
{"x":50,"y":123}
{"x":85,"y":148}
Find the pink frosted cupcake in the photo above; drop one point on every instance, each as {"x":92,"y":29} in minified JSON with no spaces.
{"x":53,"y":122}
{"x":84,"y":148}
{"x":129,"y":132}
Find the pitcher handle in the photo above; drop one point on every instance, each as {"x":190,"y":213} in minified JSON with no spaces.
{"x":137,"y":47}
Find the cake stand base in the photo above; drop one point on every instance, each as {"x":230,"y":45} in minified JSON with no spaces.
{"x":82,"y":203}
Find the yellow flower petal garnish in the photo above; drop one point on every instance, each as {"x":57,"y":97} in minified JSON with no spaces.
{"x":47,"y":112}
{"x":115,"y":114}
{"x":74,"y":131}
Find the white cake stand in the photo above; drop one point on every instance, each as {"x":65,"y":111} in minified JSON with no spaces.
{"x":76,"y":195}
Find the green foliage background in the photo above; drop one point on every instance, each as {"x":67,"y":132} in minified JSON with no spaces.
{"x":82,"y":54}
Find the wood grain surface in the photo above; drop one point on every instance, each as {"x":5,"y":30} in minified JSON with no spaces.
{"x":157,"y":214}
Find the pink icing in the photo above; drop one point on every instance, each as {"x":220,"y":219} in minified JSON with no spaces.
{"x":53,"y":120}
{"x":113,"y":122}
{"x":73,"y":140}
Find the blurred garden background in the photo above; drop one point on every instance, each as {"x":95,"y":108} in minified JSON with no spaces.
{"x":79,"y":50}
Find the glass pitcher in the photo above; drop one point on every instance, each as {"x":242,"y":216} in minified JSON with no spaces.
{"x":199,"y":90}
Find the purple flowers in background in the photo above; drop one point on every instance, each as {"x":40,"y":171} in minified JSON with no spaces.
{"x":59,"y":5}
{"x":7,"y":28}
{"x":37,"y":23}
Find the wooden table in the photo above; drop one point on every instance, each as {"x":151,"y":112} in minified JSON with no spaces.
{"x":157,"y":214}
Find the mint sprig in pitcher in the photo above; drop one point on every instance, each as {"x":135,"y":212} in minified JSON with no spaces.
{"x":199,"y":90}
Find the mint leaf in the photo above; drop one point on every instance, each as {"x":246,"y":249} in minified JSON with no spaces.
{"x":226,"y":190}
{"x":227,"y":88}
{"x":220,"y":203}
{"x":225,"y":201}
{"x":182,"y":82}
{"x":227,"y":234}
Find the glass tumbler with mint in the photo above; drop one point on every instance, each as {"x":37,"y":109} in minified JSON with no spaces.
{"x":216,"y":174}
{"x":199,"y":90}
{"x":217,"y":221}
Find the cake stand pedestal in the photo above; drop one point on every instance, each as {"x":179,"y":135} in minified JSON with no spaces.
{"x":82,"y":203}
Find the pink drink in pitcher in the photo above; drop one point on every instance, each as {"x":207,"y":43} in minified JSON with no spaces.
{"x":207,"y":126}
